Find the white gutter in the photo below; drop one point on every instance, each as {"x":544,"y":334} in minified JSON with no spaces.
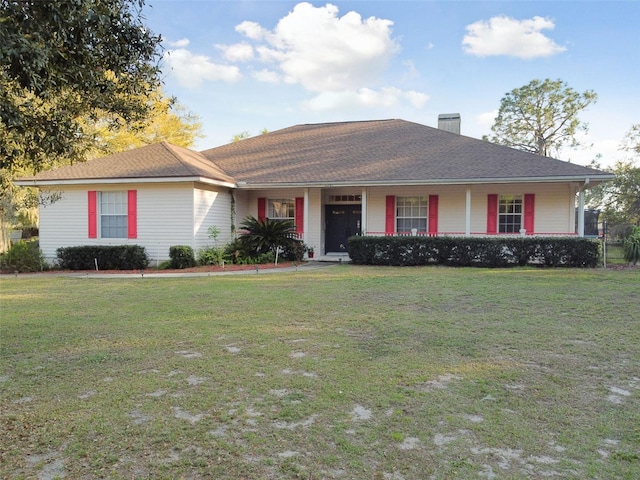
{"x":111,"y":181}
{"x":242,"y":185}
{"x":387,"y":183}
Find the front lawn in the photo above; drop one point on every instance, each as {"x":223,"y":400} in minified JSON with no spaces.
{"x":338,"y":373}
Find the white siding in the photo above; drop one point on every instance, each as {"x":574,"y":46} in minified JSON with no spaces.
{"x":164,"y":214}
{"x":64,"y":223}
{"x":244,"y":206}
{"x":180,"y":214}
{"x":554,"y":206}
{"x":247,"y":205}
{"x":211,"y":207}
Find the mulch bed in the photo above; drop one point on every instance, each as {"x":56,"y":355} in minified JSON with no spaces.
{"x":205,"y":269}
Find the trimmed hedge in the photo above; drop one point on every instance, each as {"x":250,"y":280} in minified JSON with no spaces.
{"x":181,"y":256}
{"x":474,"y":251}
{"x":108,"y":257}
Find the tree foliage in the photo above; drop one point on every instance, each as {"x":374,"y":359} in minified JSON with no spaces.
{"x":541,"y":117}
{"x":631,"y":247}
{"x":61,"y":61}
{"x":631,"y":141}
{"x":246,"y":134}
{"x":620,"y":198}
{"x":167,"y":121}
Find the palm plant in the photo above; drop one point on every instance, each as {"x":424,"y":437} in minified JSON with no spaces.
{"x":632,"y":246}
{"x":266,"y":235}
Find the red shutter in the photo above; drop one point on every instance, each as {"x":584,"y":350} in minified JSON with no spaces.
{"x":132,"y":214}
{"x":529,"y":210}
{"x":262,"y":209}
{"x":390,"y":216}
{"x":492,"y":213}
{"x":433,"y":215}
{"x":299,"y":216}
{"x":93,"y":214}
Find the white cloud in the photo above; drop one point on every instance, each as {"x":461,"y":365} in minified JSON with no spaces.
{"x":507,"y":36}
{"x":238,"y":52}
{"x":341,"y":59}
{"x":486,"y":119}
{"x":323,"y":52}
{"x":411,"y":70}
{"x":267,"y":76}
{"x":252,"y":30}
{"x":592,"y":146}
{"x":349,"y":100}
{"x":182,"y":43}
{"x":416,"y":99}
{"x":191,"y":70}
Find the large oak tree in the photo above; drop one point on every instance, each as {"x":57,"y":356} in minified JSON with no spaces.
{"x":62,"y":61}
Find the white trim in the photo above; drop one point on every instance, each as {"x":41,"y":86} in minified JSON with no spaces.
{"x":390,"y":183}
{"x":109,"y":181}
{"x":305,"y":221}
{"x":581,"y":213}
{"x":591,"y":181}
{"x":363,"y":215}
{"x":467,"y":213}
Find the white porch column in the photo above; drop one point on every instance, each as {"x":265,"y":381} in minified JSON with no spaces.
{"x":581,"y":213}
{"x":363,"y":219}
{"x":467,"y":218}
{"x":305,"y":221}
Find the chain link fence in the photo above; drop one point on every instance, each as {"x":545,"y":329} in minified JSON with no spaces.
{"x":612,"y":237}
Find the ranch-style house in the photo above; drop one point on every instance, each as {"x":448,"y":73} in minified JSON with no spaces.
{"x":334,"y":180}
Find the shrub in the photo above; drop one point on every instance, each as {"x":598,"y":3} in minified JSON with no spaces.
{"x":479,"y":252}
{"x":235,"y":251}
{"x":107,"y":257}
{"x":212,"y":256}
{"x":23,"y":257}
{"x":632,"y":246}
{"x":266,"y":235}
{"x":181,"y":257}
{"x":294,"y":252}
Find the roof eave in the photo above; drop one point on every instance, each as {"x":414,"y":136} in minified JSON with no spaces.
{"x":121,"y":180}
{"x":589,"y":179}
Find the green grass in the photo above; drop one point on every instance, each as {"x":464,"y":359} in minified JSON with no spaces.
{"x":615,"y":255}
{"x":344,"y":372}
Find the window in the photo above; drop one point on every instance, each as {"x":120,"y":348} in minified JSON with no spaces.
{"x":509,"y":213}
{"x":411,"y":212}
{"x":113,"y":214}
{"x":282,"y":209}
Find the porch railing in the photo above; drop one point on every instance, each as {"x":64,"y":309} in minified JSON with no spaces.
{"x":296,"y":235}
{"x":473,"y":234}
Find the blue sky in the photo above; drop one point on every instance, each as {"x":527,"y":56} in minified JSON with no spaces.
{"x":255,"y":65}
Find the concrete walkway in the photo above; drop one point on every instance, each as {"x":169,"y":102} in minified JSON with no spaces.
{"x":306,"y":267}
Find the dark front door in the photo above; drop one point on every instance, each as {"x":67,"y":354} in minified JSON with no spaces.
{"x":343,"y":221}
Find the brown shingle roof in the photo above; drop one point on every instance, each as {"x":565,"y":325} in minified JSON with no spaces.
{"x":158,"y":160}
{"x":370,"y":152}
{"x":380,"y":151}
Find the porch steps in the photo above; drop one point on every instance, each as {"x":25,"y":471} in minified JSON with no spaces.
{"x":338,"y":257}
